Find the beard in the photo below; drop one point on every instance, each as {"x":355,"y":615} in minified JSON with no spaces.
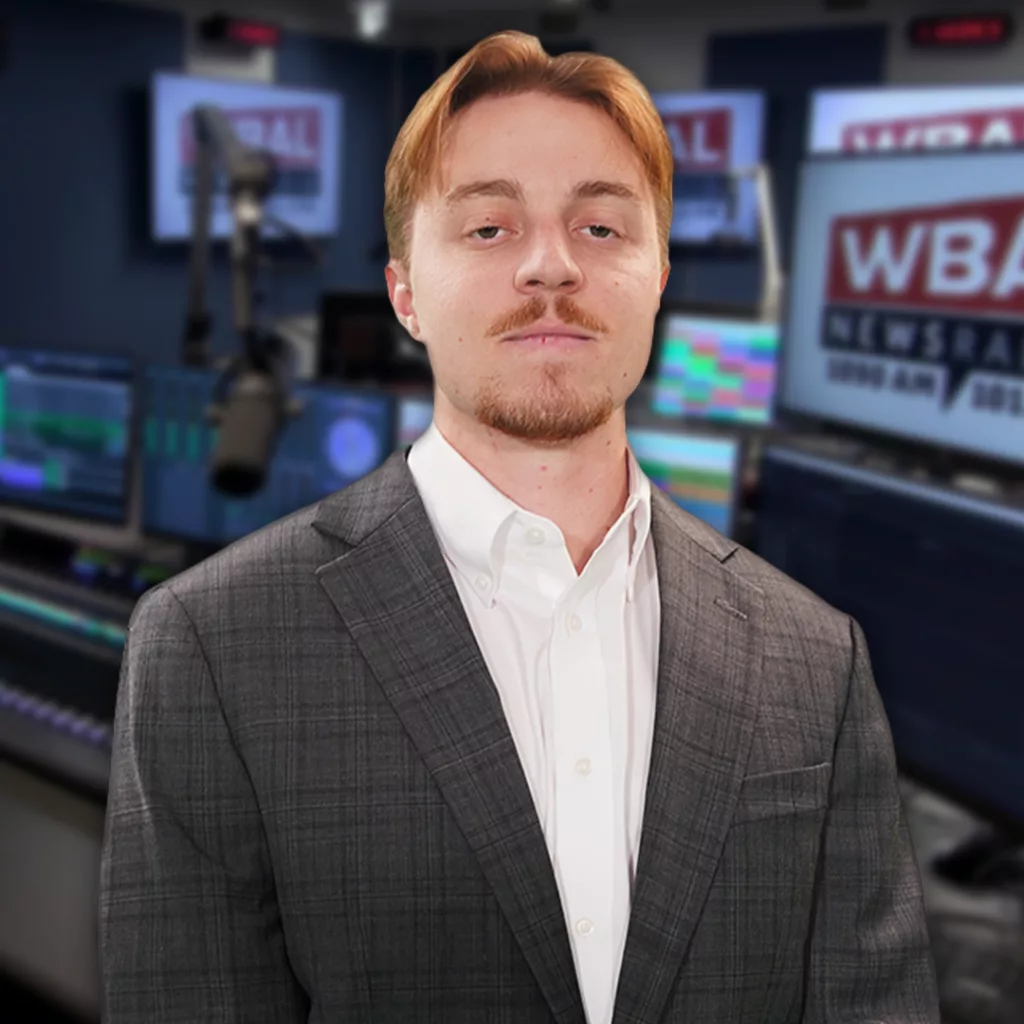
{"x":551,"y":411}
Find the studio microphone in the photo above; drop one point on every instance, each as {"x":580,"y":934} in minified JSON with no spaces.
{"x":250,"y":400}
{"x":251,"y":404}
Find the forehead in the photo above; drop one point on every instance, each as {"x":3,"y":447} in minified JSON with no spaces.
{"x":539,"y":140}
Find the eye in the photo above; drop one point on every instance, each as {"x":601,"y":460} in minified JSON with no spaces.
{"x":601,"y":228}
{"x":490,"y":227}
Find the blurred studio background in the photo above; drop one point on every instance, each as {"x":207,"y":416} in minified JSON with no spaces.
{"x":837,"y":378}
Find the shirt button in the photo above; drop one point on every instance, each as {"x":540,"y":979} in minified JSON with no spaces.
{"x":583,"y":766}
{"x":482,"y":582}
{"x":535,"y":536}
{"x":585,"y":926}
{"x":574,"y":623}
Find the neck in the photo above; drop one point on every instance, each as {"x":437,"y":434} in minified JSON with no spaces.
{"x":581,"y":486}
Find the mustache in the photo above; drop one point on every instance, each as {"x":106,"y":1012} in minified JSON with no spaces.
{"x":565,"y":309}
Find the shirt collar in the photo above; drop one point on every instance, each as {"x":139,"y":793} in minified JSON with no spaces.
{"x":468,"y":513}
{"x":638,"y":510}
{"x":472,"y":518}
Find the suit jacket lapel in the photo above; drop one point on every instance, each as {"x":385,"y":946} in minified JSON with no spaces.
{"x":395,"y":594}
{"x":708,"y":681}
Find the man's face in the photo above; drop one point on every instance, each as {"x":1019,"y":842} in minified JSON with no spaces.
{"x":544,"y":223}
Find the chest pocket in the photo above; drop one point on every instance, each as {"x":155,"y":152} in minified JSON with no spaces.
{"x":776,"y":794}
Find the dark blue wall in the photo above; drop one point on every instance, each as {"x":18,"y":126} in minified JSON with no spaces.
{"x":79,"y":268}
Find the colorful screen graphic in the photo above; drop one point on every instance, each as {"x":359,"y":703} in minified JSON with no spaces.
{"x":700,"y":474}
{"x":716,"y":369}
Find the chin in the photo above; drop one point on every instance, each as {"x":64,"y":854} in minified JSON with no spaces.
{"x":544,"y":419}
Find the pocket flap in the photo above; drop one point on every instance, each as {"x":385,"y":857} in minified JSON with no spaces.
{"x":793,"y":791}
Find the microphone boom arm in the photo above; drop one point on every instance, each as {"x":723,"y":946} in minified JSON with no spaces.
{"x":251,"y":176}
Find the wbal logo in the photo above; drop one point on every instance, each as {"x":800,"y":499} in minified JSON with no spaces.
{"x":701,"y":139}
{"x":293,"y":135}
{"x":938,"y":286}
{"x":969,"y":129}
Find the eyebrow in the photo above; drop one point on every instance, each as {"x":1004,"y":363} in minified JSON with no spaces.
{"x":505,"y":188}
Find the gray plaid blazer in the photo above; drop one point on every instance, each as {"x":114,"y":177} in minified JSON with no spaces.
{"x":317,"y":812}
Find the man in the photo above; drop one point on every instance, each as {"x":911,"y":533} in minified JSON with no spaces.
{"x":499,"y":734}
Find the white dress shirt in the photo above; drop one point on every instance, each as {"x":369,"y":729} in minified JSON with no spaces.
{"x":575,"y":661}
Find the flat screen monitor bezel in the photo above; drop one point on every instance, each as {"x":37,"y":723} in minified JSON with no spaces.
{"x":223,"y":240}
{"x":974,"y":88}
{"x":947,"y":458}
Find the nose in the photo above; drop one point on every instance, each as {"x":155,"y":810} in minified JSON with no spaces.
{"x":548,"y":264}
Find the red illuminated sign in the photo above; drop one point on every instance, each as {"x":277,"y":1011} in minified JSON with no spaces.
{"x":960,"y":31}
{"x":253,"y":33}
{"x":223,"y":29}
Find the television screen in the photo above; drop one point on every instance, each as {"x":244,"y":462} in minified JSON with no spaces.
{"x":65,"y":433}
{"x":933,"y":577}
{"x":300,"y":127}
{"x":715,"y":369}
{"x":932,"y":118}
{"x":699,"y":473}
{"x":713,"y":133}
{"x":907,"y":299}
{"x":339,"y":437}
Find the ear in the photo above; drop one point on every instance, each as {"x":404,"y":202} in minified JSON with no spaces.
{"x":664,"y":279}
{"x":400,"y":293}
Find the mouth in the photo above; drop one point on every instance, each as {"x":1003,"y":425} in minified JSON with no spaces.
{"x":553,"y":340}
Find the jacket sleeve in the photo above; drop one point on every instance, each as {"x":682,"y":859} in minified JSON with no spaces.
{"x":189,"y":924}
{"x":869,"y":956}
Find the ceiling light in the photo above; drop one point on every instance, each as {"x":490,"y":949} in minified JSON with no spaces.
{"x":372,"y":17}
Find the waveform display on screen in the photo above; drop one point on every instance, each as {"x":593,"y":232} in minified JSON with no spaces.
{"x":65,"y":426}
{"x":700,"y":474}
{"x":716,"y":369}
{"x":340,"y":436}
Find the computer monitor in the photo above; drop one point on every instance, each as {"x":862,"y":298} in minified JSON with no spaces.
{"x":715,"y":368}
{"x":66,"y":433}
{"x":906,"y":300}
{"x":933,"y":577}
{"x":415,"y":414}
{"x":303,"y":129}
{"x":713,"y":134}
{"x":886,"y":119}
{"x":340,"y":436}
{"x":700,"y":473}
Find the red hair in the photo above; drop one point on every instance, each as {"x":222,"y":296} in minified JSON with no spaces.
{"x":506,"y":64}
